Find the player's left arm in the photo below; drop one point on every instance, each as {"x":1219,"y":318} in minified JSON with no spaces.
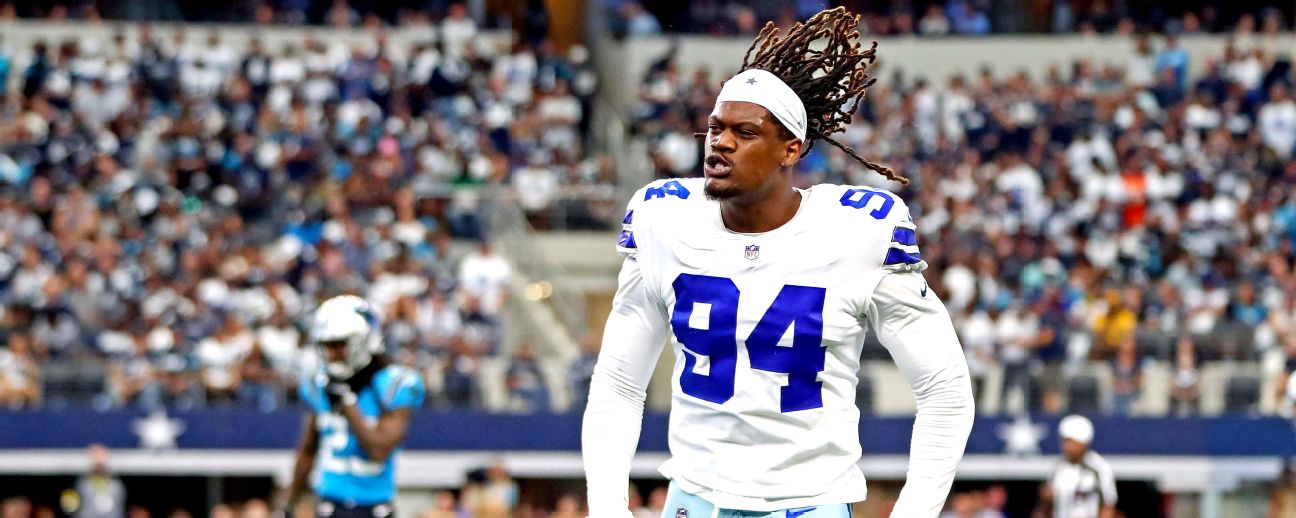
{"x":913,"y":324}
{"x":399,"y":398}
{"x":1106,"y":489}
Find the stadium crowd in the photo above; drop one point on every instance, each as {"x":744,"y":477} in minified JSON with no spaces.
{"x":172,"y":207}
{"x":940,"y":18}
{"x":1084,"y":226}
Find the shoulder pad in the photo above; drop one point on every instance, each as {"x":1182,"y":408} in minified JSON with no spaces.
{"x":656,"y":193}
{"x":889,"y":213}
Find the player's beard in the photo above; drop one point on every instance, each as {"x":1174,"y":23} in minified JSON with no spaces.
{"x":716,"y":192}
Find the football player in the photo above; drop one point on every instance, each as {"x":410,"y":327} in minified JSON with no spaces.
{"x":1082,"y":484}
{"x":359,"y":410}
{"x":765,"y":292}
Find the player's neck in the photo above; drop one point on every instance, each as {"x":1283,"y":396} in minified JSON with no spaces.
{"x":762,"y":215}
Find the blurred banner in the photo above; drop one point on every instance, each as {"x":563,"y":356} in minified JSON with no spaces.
{"x":472,"y":431}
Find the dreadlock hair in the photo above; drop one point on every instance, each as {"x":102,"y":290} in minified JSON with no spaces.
{"x":830,"y":82}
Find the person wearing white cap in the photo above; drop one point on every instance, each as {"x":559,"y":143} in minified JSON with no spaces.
{"x":1082,"y":485}
{"x":765,"y":293}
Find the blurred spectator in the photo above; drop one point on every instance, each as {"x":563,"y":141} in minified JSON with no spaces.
{"x":499,"y":489}
{"x":638,"y":21}
{"x":1127,"y":377}
{"x":19,"y":373}
{"x":934,"y":22}
{"x":1175,"y":59}
{"x":459,"y":377}
{"x":1277,"y":122}
{"x":221,"y":358}
{"x":1116,"y":324}
{"x":1141,"y":71}
{"x":657,"y":501}
{"x":259,"y":386}
{"x":582,"y":371}
{"x":568,"y":506}
{"x":221,"y":511}
{"x":6,"y":63}
{"x":485,"y":278}
{"x":255,"y":508}
{"x":133,"y":379}
{"x":1282,"y":498}
{"x":457,"y":30}
{"x":1185,"y":389}
{"x":968,"y":19}
{"x":98,"y":493}
{"x":526,"y":383}
{"x":181,"y":388}
{"x":489,"y":493}
{"x":16,"y":507}
{"x":638,"y":509}
{"x":537,"y":186}
{"x":443,"y":505}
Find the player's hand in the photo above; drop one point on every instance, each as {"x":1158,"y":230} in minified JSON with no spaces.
{"x":339,"y":394}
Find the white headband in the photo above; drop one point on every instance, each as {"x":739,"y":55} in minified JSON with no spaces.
{"x":766,"y":89}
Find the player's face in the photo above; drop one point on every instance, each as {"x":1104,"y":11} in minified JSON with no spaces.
{"x":745,"y":151}
{"x":334,"y":351}
{"x":1073,"y":450}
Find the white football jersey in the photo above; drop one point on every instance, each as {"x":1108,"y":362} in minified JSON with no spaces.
{"x":767,"y":331}
{"x":1081,"y":490}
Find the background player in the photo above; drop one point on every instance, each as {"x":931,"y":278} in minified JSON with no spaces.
{"x":1082,"y":485}
{"x":360,"y":407}
{"x":796,"y":277}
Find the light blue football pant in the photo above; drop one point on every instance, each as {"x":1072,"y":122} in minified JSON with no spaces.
{"x":685,"y":505}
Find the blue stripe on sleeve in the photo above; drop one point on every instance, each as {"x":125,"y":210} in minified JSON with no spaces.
{"x":896,"y":256}
{"x":626,"y":240}
{"x":904,"y":236}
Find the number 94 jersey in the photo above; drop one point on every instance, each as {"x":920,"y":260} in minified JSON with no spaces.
{"x":767,"y":331}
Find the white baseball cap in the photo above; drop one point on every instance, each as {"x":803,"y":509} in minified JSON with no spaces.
{"x":1077,"y":428}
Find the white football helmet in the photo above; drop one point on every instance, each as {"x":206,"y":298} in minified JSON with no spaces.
{"x":350,"y":319}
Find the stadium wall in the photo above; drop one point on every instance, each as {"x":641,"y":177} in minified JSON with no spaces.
{"x":1180,"y":455}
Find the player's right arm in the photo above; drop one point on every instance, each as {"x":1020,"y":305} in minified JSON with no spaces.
{"x":632,"y":341}
{"x":306,"y":448}
{"x":1106,"y":488}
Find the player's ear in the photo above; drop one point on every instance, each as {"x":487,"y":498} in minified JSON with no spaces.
{"x":792,"y":152}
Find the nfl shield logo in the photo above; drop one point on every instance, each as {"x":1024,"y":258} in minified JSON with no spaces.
{"x":751,"y":252}
{"x":681,"y":512}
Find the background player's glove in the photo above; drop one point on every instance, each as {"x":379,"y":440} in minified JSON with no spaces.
{"x":339,"y":394}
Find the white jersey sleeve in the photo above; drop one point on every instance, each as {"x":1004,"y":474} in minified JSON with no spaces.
{"x":913,"y":324}
{"x":1106,"y":479}
{"x":1082,"y":490}
{"x":632,"y":341}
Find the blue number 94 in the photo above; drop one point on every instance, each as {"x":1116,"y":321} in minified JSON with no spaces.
{"x":797,"y":307}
